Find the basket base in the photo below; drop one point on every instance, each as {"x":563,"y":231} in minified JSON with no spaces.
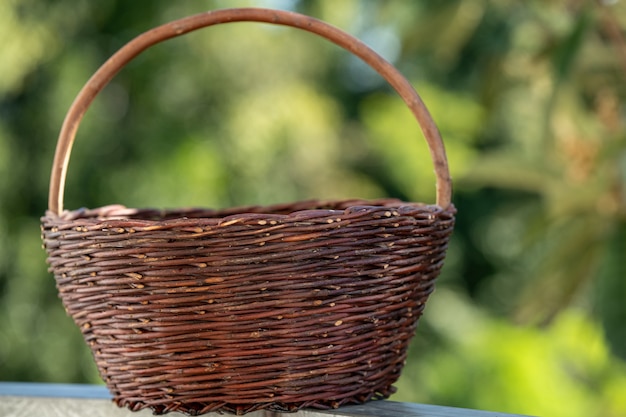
{"x":199,"y":408}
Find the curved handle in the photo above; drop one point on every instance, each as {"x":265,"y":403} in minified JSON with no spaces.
{"x":278,"y":17}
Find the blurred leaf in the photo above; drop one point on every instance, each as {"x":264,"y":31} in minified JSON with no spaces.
{"x":506,"y":169}
{"x":566,"y":52}
{"x":610,"y":290}
{"x":398,"y":140}
{"x":533,"y":371}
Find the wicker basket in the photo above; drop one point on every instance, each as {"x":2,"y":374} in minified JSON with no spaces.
{"x":310,"y":304}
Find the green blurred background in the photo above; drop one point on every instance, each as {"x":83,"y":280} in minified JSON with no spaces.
{"x":530,"y":309}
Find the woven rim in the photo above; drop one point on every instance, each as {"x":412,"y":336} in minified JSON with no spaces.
{"x":278,"y":17}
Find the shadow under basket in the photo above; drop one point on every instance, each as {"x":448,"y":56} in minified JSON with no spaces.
{"x":310,"y":304}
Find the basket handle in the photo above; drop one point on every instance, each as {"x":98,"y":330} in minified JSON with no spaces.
{"x":278,"y":17}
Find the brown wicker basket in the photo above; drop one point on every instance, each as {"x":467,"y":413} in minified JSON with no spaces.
{"x":310,"y":304}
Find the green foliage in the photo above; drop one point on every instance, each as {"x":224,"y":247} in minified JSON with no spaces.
{"x":488,"y":363}
{"x":397,"y":140}
{"x":529,"y":312}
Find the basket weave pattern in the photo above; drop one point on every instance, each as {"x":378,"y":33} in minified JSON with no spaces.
{"x":195,"y":311}
{"x":310,"y":304}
